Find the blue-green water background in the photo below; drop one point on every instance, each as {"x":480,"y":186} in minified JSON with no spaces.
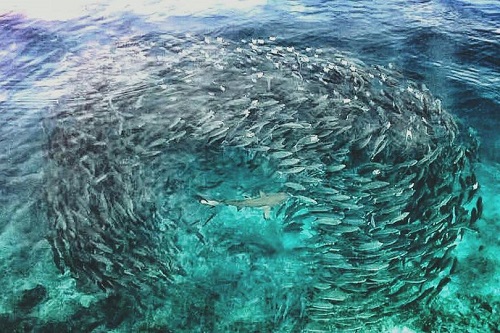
{"x":453,"y":47}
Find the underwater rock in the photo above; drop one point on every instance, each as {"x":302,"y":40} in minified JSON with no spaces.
{"x":32,"y":297}
{"x":163,"y":161}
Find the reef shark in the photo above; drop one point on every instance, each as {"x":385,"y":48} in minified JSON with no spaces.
{"x":264,"y":201}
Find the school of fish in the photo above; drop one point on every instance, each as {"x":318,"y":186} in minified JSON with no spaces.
{"x":366,"y":182}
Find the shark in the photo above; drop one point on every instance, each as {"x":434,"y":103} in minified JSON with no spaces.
{"x":265,"y":201}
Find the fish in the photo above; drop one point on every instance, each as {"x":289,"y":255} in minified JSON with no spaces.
{"x":374,"y":185}
{"x":295,"y":186}
{"x":264,"y":201}
{"x":379,"y":145}
{"x":330,"y":221}
{"x":335,"y":168}
{"x":293,"y":170}
{"x":371,"y":246}
{"x":296,"y":125}
{"x":280,"y":154}
{"x":306,"y":200}
{"x":289,"y":162}
{"x":307,"y":140}
{"x":334,"y":295}
{"x":473,"y":216}
{"x":438,"y":288}
{"x":362,"y":143}
{"x":322,"y":305}
{"x":479,"y":207}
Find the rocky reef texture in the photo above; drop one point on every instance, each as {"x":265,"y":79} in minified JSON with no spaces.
{"x":252,"y":186}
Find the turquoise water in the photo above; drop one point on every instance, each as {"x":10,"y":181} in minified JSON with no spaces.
{"x":250,"y":167}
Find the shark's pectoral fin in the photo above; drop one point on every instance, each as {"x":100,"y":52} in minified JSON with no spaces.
{"x":267,"y":212}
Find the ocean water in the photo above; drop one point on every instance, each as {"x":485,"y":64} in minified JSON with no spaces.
{"x":181,"y":168}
